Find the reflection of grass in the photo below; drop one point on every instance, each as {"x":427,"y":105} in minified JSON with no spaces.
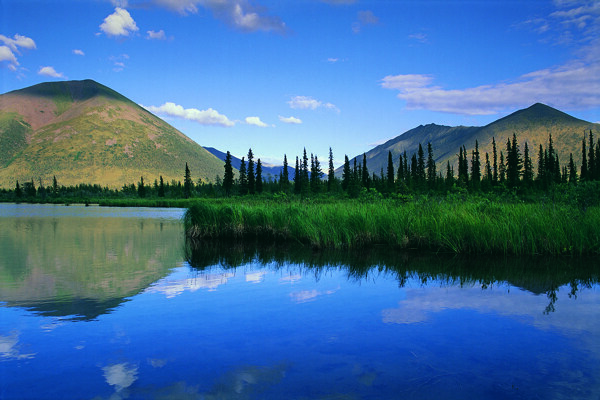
{"x":472,"y":226}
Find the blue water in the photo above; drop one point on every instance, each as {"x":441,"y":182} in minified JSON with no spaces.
{"x":128,"y":318}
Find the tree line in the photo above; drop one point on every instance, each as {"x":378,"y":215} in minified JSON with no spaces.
{"x":507,"y":168}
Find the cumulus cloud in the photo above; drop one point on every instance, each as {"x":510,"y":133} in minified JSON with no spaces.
{"x":11,"y":46}
{"x":237,"y":13}
{"x":308,"y":103}
{"x":290,"y":120}
{"x":160,"y":35}
{"x":575,"y":85}
{"x":78,"y":52}
{"x":256,"y":122}
{"x":51,"y":72}
{"x":203,"y":117}
{"x":119,"y":23}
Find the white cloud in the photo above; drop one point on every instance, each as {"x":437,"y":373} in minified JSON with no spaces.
{"x":203,"y":117}
{"x":160,"y":35}
{"x":256,"y":122}
{"x":237,"y":13}
{"x":11,"y":46}
{"x":419,"y":37}
{"x":365,"y":17}
{"x":119,"y":23}
{"x":121,"y":376}
{"x":78,"y":52}
{"x":51,"y":72}
{"x":575,"y":85}
{"x":290,"y":120}
{"x":307,"y":102}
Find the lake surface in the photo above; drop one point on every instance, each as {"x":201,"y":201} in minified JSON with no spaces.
{"x":112,"y":303}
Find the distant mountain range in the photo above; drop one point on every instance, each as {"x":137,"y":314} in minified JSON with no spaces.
{"x":85,"y":132}
{"x":268,"y":171}
{"x":532,"y":125}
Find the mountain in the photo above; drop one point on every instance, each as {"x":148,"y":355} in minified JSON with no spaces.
{"x":85,"y":132}
{"x":532,"y":125}
{"x":268,"y":170}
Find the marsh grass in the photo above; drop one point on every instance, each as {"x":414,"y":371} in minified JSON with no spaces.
{"x":462,"y":226}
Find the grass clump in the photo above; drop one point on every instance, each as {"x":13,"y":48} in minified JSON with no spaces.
{"x":461,"y":226}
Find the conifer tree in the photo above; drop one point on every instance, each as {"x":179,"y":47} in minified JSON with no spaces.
{"x":527,"y":167}
{"x":475,"y":167}
{"x":431,"y":168}
{"x":597,"y":161}
{"x":161,"y":187}
{"x":495,"y":156}
{"x":584,"y":165}
{"x":572,"y":170}
{"x":541,"y":177}
{"x":305,"y":181}
{"x":187,"y":183}
{"x":54,"y":186}
{"x":331,"y":172}
{"x":390,"y":172}
{"x":421,"y":173}
{"x":365,"y":172}
{"x":259,"y":180}
{"x":316,"y":174}
{"x":514,"y":162}
{"x":18,"y":192}
{"x":346,"y":174}
{"x":400,"y":174}
{"x":591,"y":158}
{"x":250,"y":173}
{"x":243,"y":181}
{"x":501,"y":169}
{"x":463,"y":167}
{"x":284,"y":180}
{"x":228,"y":175}
{"x":414,"y":172}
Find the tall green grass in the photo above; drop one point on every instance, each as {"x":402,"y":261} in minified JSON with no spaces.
{"x":471,"y":226}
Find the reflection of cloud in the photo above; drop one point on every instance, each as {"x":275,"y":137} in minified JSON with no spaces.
{"x":308,"y":295}
{"x":121,"y":375}
{"x":244,"y":380}
{"x":572,"y":316}
{"x":176,"y":287}
{"x":291,"y":278}
{"x":256,"y":277}
{"x":9,"y":348}
{"x":157,"y":362}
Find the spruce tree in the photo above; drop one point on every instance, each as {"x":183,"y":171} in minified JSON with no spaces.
{"x":390,"y":172}
{"x":316,"y":174}
{"x":572,"y":170}
{"x":259,"y":181}
{"x":297,"y":178}
{"x":243,"y":182}
{"x":187,"y":183}
{"x":141,"y":188}
{"x":284,"y":180}
{"x":475,"y":167}
{"x":431,"y":168}
{"x":305,"y":180}
{"x":346,"y":174}
{"x":584,"y":165}
{"x":54,"y":186}
{"x":501,"y":169}
{"x":421,"y":173}
{"x":228,"y":175}
{"x":449,"y":175}
{"x":527,"y":168}
{"x":331,"y":173}
{"x":365,"y":173}
{"x":541,"y":177}
{"x":161,"y":187}
{"x":591,"y":158}
{"x":250,"y":173}
{"x":495,"y":156}
{"x":18,"y":191}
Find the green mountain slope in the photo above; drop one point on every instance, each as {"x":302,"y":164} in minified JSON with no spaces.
{"x":532,"y":125}
{"x":84,"y":132}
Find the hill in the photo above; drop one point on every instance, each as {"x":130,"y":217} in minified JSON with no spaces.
{"x":268,"y":170}
{"x":532,"y":125}
{"x":85,"y":132}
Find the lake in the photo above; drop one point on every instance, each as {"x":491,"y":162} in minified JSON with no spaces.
{"x":112,"y":303}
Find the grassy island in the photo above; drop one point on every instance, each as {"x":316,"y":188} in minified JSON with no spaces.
{"x":456,"y":224}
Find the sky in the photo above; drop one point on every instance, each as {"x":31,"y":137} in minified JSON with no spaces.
{"x":281,"y":76}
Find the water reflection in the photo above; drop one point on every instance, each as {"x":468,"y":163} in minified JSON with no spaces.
{"x":83,"y":267}
{"x":539,"y":276}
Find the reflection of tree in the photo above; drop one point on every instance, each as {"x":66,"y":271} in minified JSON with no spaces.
{"x":536,"y":275}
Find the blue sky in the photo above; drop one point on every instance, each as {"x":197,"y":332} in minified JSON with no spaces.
{"x":278,"y":76}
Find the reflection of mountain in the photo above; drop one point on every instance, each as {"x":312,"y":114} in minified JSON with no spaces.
{"x":535,"y":275}
{"x":83,"y":267}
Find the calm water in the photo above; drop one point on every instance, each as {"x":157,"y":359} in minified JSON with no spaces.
{"x":110,"y":303}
